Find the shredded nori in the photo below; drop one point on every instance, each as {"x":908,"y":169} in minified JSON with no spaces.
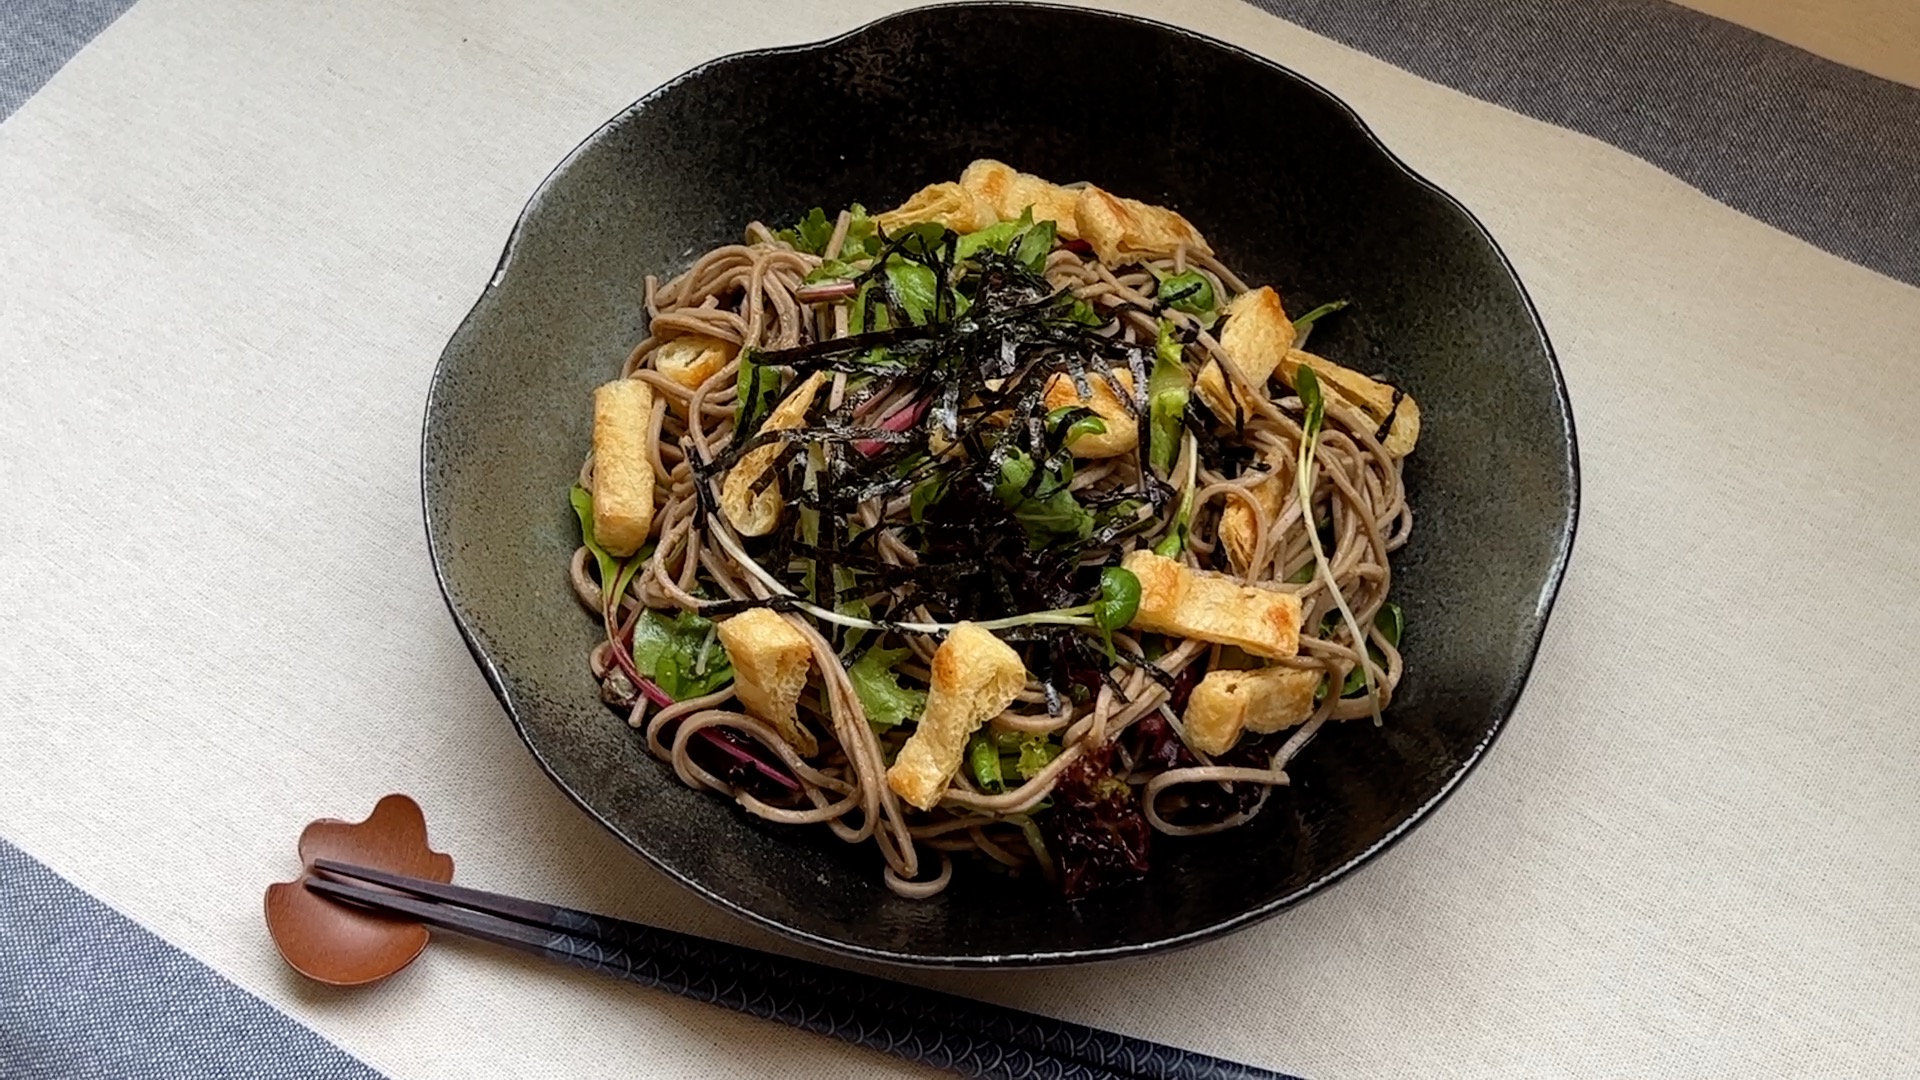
{"x":1386,"y":425}
{"x":982,"y":353}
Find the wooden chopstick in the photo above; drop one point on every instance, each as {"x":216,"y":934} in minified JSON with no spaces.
{"x":927,"y":1026}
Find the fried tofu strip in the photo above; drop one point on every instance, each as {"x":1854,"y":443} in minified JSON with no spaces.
{"x":622,"y":467}
{"x":1262,"y":701}
{"x":693,"y":359}
{"x":1175,"y":599}
{"x":770,"y":663}
{"x":1011,"y":192}
{"x":1376,"y":399}
{"x":1125,"y":230}
{"x":1236,"y":517}
{"x":756,"y":513}
{"x":1121,"y":230}
{"x":1123,"y":427}
{"x":1256,"y":337}
{"x":947,"y":203}
{"x":975,"y":676}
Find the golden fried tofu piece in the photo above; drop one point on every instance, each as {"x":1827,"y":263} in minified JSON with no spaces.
{"x":693,"y":359}
{"x":755,"y":514}
{"x":1011,"y":192}
{"x":947,"y":203}
{"x":622,"y":466}
{"x":1262,"y":701}
{"x":1125,"y":230}
{"x":1256,"y":338}
{"x":1370,"y":396}
{"x":1284,"y":697}
{"x":975,"y":676}
{"x":1123,"y":427}
{"x":770,"y":663}
{"x":1236,"y":518}
{"x":1176,"y":599}
{"x":1259,"y":338}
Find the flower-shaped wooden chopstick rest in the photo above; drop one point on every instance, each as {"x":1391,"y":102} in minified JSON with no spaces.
{"x":342,"y":945}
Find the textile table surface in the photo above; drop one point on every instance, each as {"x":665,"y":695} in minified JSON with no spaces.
{"x":234,"y":237}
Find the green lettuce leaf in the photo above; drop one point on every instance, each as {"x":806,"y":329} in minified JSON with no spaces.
{"x":831,"y":270}
{"x":1391,"y":622}
{"x":755,"y":391}
{"x":1078,"y":310}
{"x":1168,"y":387}
{"x":1051,"y":513}
{"x":613,"y":570}
{"x":1025,"y":239}
{"x":915,"y":288}
{"x":582,"y":500}
{"x":863,"y":237}
{"x":1035,"y":243}
{"x":886,"y":702}
{"x":680,"y":654}
{"x":810,"y":234}
{"x":925,"y":494}
{"x":996,"y":238}
{"x":1035,"y":752}
{"x":813,"y":232}
{"x":983,"y":760}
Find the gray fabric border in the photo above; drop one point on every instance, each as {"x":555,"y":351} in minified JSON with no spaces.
{"x":1817,"y":149}
{"x":38,"y":37}
{"x":87,"y":993}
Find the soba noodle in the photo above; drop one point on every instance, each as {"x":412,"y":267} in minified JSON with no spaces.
{"x":755,"y":295}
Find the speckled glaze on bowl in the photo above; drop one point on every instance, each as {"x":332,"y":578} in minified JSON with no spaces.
{"x":1295,"y":192}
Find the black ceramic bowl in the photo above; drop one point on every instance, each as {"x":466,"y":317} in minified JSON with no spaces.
{"x":1291,"y":188}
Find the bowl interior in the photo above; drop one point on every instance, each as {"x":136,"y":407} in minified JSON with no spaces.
{"x":1290,"y":188}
